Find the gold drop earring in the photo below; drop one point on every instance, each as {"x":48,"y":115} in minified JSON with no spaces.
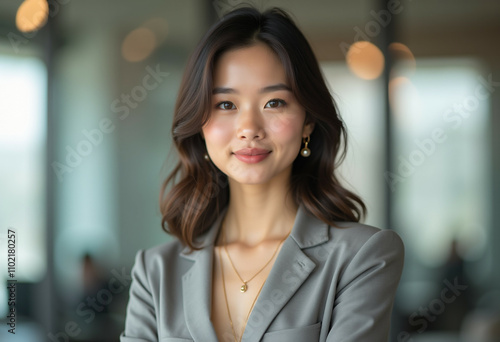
{"x":305,"y":152}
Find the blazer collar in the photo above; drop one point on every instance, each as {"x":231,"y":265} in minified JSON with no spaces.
{"x":291,"y":268}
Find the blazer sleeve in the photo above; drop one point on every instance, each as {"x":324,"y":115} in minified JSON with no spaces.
{"x":366,"y":291}
{"x":140,"y":322}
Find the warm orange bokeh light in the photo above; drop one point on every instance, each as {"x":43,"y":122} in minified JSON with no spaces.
{"x":402,"y":53}
{"x":32,"y":15}
{"x":138,"y":44}
{"x":365,"y":60}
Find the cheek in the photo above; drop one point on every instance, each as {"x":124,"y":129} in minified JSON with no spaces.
{"x":217,"y":132}
{"x":287,"y":127}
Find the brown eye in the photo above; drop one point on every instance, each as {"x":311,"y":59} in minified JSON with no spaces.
{"x":226,"y":105}
{"x":275,"y":103}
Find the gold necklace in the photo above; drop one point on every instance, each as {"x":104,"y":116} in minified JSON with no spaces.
{"x":244,"y":287}
{"x":224,"y":287}
{"x":227,"y":304}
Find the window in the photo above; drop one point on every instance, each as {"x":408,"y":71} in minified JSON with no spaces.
{"x":22,"y":167}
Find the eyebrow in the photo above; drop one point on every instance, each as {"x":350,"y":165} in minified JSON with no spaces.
{"x":268,"y":89}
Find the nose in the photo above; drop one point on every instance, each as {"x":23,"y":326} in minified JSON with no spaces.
{"x":250,"y":124}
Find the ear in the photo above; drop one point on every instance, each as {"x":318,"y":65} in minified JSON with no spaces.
{"x":308,"y":129}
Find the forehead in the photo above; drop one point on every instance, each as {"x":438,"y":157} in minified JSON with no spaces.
{"x":251,"y":65}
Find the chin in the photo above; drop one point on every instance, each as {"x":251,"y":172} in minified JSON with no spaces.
{"x":250,"y":180}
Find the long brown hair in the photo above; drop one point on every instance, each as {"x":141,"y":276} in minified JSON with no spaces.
{"x":193,"y":202}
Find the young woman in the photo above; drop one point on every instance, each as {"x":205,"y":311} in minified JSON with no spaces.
{"x":268,"y":243}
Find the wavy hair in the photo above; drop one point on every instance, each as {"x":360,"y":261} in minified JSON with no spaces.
{"x":194,"y":201}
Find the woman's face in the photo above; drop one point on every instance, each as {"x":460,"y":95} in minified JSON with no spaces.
{"x":253,"y":108}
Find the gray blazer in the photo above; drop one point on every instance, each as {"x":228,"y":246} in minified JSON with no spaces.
{"x":327,"y":284}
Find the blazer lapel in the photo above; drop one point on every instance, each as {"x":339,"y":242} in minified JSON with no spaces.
{"x":197,"y":286}
{"x":291,"y":268}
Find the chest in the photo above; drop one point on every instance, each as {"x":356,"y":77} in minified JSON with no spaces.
{"x":231,"y":307}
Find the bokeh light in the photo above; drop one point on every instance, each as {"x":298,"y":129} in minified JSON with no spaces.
{"x":138,"y":44}
{"x":32,"y":15}
{"x":365,"y":60}
{"x":402,"y":54}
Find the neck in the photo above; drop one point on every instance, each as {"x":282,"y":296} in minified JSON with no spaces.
{"x":259,"y":212}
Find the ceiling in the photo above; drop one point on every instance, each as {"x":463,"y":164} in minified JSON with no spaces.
{"x":313,"y":15}
{"x":321,"y":20}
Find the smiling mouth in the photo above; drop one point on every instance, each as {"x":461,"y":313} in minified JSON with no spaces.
{"x":252,"y":152}
{"x":252,"y":159}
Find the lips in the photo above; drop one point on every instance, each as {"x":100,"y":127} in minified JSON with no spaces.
{"x":252,"y":151}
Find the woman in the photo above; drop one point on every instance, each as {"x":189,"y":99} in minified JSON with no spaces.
{"x":268,"y":246}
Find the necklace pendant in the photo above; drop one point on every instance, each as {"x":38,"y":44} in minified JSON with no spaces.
{"x":243,"y":288}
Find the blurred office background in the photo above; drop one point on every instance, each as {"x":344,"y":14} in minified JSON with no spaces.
{"x":87,"y":91}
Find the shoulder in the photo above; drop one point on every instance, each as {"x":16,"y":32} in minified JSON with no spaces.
{"x":158,"y":257}
{"x":358,"y":242}
{"x":356,"y":253}
{"x":358,"y":235}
